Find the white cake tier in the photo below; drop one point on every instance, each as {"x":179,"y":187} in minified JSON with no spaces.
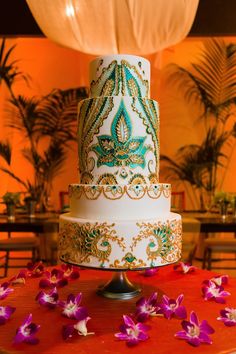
{"x":118,"y":139}
{"x":120,"y":75}
{"x":115,"y":202}
{"x":120,"y":245}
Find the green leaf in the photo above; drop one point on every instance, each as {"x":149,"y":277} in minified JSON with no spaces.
{"x":106,"y":143}
{"x":122,"y":130}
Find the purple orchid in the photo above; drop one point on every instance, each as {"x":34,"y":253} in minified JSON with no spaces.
{"x":132,"y":332}
{"x":184,"y":268}
{"x":49,"y":300}
{"x":194,"y":332}
{"x":5,"y":313}
{"x":228,"y":316}
{"x":170,"y":307}
{"x":5,"y":290}
{"x":35,"y":270}
{"x":79,"y":328}
{"x":19,"y":278}
{"x":70,"y":272}
{"x":72,"y":308}
{"x":150,"y":272}
{"x":26,"y":332}
{"x":218,"y":280}
{"x":214,"y":292}
{"x":146,"y":307}
{"x":52,"y":279}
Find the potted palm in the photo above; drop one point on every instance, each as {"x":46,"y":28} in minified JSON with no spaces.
{"x":211,"y":85}
{"x":51,"y":118}
{"x":11,"y":200}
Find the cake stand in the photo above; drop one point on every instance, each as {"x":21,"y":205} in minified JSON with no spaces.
{"x":119,"y":287}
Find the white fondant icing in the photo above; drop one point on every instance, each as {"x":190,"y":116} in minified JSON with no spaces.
{"x":129,"y":202}
{"x":120,"y":245}
{"x":120,"y":216}
{"x":101,"y":64}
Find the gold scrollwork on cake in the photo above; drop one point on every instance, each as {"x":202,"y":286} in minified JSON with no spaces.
{"x":136,"y":191}
{"x":129,"y":261}
{"x":164,"y":240}
{"x":92,"y":192}
{"x":79,"y":243}
{"x":115,"y":191}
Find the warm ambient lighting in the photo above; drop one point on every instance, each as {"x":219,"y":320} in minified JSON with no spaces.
{"x":115,"y":26}
{"x":70,"y":11}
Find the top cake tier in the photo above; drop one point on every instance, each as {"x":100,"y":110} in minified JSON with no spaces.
{"x":120,"y":75}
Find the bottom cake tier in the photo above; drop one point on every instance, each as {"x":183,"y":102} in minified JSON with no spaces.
{"x":123,"y":245}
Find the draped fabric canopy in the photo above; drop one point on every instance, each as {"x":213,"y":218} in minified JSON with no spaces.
{"x":115,"y":26}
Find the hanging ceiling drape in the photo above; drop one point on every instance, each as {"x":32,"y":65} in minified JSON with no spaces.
{"x":115,"y":26}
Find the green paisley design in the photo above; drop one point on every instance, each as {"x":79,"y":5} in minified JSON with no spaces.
{"x":121,"y":78}
{"x":92,"y":113}
{"x":148,"y":112}
{"x":120,"y":148}
{"x":86,"y":240}
{"x":160,"y":240}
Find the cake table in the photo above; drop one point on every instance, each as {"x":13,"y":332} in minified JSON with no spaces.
{"x":106,"y":316}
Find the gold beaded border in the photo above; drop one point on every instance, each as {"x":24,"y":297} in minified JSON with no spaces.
{"x":115,"y":192}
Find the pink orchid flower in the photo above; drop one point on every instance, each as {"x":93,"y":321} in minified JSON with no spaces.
{"x":171,"y":307}
{"x":195,"y":332}
{"x":214,"y":292}
{"x":132,"y":332}
{"x":228,"y":316}
{"x":184,"y":268}
{"x":5,"y":290}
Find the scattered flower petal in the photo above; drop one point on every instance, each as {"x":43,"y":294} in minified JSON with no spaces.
{"x":35,"y":270}
{"x":52,"y":279}
{"x":19,"y":278}
{"x":146,"y":307}
{"x":228,"y":316}
{"x":70,"y":271}
{"x":132,"y":332}
{"x":170,"y":307}
{"x":72,"y":308}
{"x":49,"y":300}
{"x":150,"y":272}
{"x":26,"y":332}
{"x":194,"y":332}
{"x":185,"y":267}
{"x":5,"y":290}
{"x":218,"y":280}
{"x":214,"y":292}
{"x":79,"y":328}
{"x":5,"y":313}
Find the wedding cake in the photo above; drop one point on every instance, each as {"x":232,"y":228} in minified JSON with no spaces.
{"x":119,"y":213}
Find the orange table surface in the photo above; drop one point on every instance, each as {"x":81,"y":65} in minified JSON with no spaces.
{"x":106,"y":316}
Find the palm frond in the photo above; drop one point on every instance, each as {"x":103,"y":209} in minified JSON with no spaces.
{"x":5,"y":151}
{"x":19,"y":180}
{"x":24,"y":115}
{"x":9,"y":71}
{"x":58,"y":114}
{"x":211,"y":81}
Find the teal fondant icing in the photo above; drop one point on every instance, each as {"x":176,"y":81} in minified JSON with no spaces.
{"x":120,"y":148}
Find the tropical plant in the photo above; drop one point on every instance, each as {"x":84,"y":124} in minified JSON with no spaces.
{"x":210,"y":84}
{"x":11,"y":198}
{"x":48,"y":125}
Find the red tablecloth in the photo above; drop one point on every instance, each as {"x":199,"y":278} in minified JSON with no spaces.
{"x":106,"y":316}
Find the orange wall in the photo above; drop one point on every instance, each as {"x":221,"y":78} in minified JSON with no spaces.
{"x":51,"y":66}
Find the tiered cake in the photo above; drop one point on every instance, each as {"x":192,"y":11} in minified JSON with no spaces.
{"x":119,"y":214}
